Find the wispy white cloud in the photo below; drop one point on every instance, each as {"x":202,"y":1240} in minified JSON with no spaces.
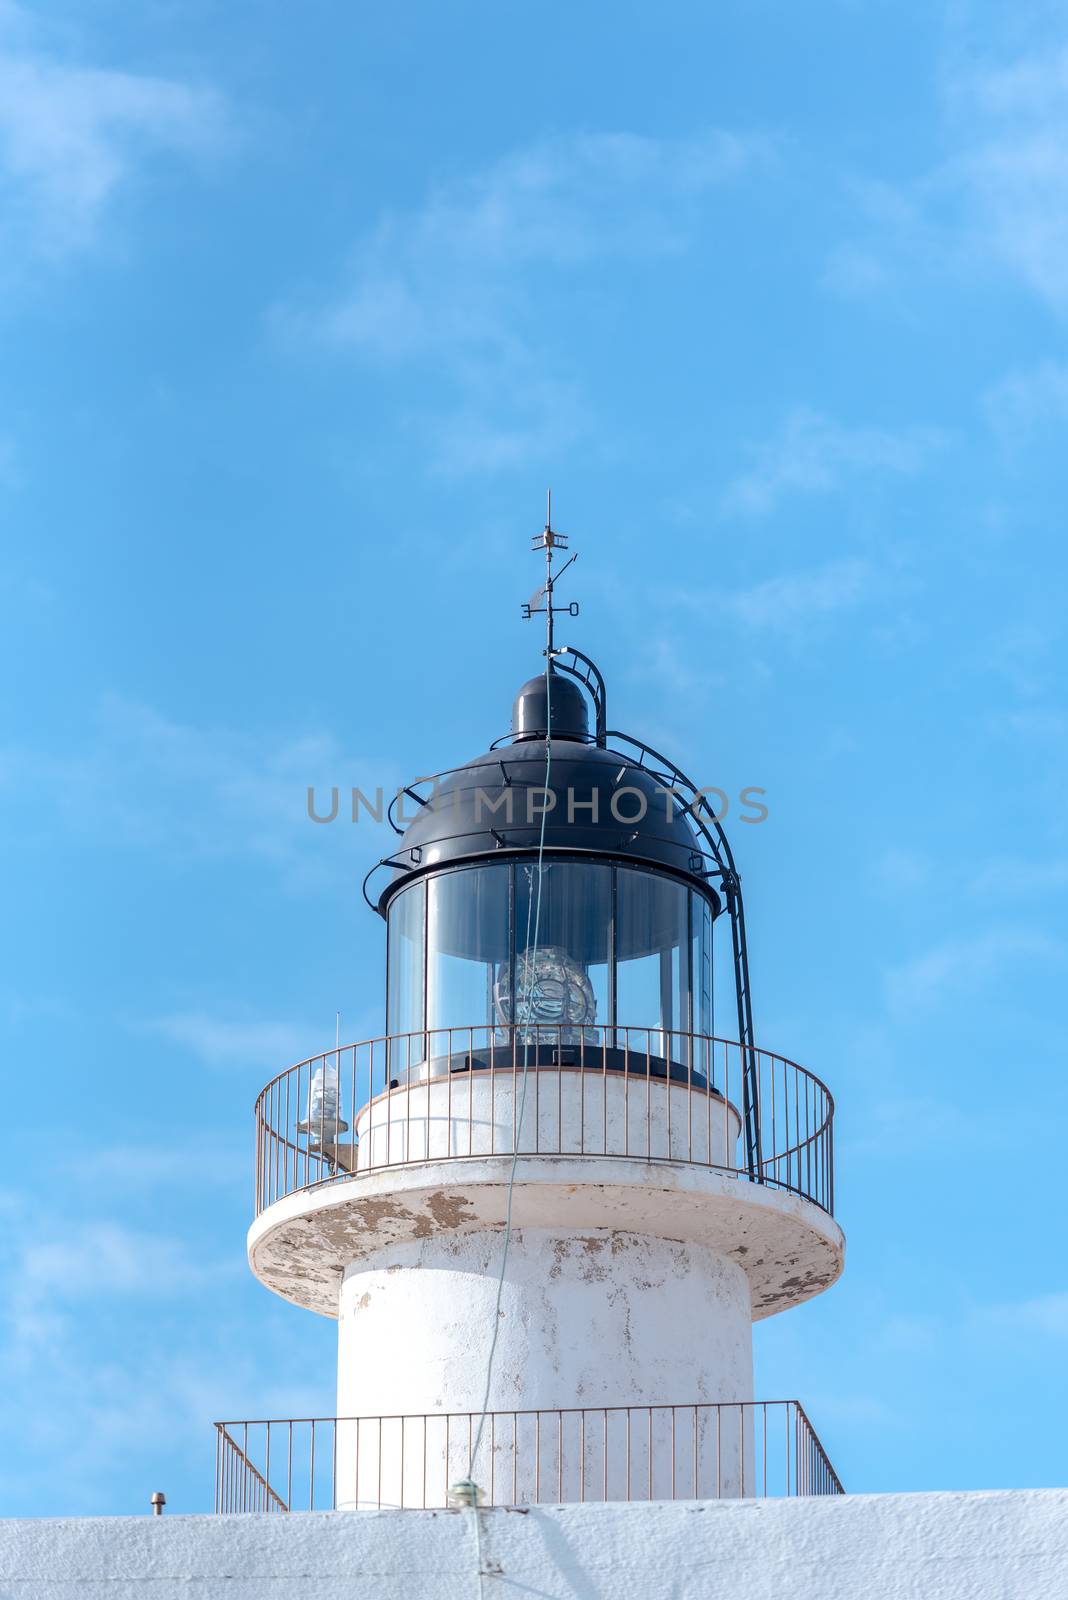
{"x":98,"y":1371}
{"x":1022,"y":652}
{"x":896,"y":1126}
{"x":903,"y":872}
{"x":72,"y":135}
{"x":786,"y":601}
{"x":438,"y":275}
{"x":1027,"y":399}
{"x":909,"y":1333}
{"x":959,"y":965}
{"x":996,"y":200}
{"x":933,"y":1333}
{"x":202,"y":1162}
{"x":798,"y":597}
{"x":57,"y":1265}
{"x":206,"y":793}
{"x":482,"y":435}
{"x":1046,"y":1315}
{"x":133,"y":1417}
{"x":666,"y":663}
{"x":101,"y":1258}
{"x":813,"y":454}
{"x":1012,"y":171}
{"x":223,"y":1042}
{"x":1006,"y":876}
{"x":455,"y":282}
{"x":1035,"y":725}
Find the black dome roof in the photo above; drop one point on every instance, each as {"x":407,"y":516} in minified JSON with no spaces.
{"x":562,"y":700}
{"x":602,"y":803}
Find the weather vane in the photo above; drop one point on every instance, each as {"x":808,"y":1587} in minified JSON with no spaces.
{"x":542,"y":599}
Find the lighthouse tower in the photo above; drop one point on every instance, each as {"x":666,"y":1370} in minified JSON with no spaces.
{"x":547,"y":1205}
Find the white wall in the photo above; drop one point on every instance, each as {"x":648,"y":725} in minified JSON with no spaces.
{"x":1000,"y":1546}
{"x":592,"y":1319}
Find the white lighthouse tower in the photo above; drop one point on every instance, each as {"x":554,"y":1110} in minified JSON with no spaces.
{"x":548,"y":1203}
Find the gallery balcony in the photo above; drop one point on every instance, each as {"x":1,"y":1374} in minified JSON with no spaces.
{"x":461,"y":1093}
{"x":680,"y":1136}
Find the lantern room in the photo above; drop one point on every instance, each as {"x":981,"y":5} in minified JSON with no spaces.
{"x":553,"y":894}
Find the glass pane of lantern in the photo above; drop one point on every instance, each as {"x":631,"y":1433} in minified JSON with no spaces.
{"x":701,"y":927}
{"x":652,"y":961}
{"x":701,"y":970}
{"x":560,"y":977}
{"x":467,"y":947}
{"x":404,"y":981}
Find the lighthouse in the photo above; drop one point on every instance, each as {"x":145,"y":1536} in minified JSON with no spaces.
{"x":547,"y":1204}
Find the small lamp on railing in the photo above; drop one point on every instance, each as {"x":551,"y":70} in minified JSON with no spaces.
{"x":323,"y":1122}
{"x":159,"y":1500}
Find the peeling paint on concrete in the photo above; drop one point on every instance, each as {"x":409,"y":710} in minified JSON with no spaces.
{"x":613,"y":1316}
{"x":449,"y":1210}
{"x":789,"y":1248}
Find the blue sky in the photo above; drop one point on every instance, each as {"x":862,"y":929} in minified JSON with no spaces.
{"x":300,"y":310}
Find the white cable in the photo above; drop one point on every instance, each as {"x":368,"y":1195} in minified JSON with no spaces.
{"x":533,"y":903}
{"x":467,"y":1491}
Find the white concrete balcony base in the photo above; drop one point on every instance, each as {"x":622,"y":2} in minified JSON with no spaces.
{"x":790,"y":1249}
{"x":560,"y":1112}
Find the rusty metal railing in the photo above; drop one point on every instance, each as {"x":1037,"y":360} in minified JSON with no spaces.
{"x":615,"y":1092}
{"x":239,"y":1484}
{"x":687,"y":1452}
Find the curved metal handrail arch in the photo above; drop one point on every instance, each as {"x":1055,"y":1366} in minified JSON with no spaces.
{"x":732,"y":894}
